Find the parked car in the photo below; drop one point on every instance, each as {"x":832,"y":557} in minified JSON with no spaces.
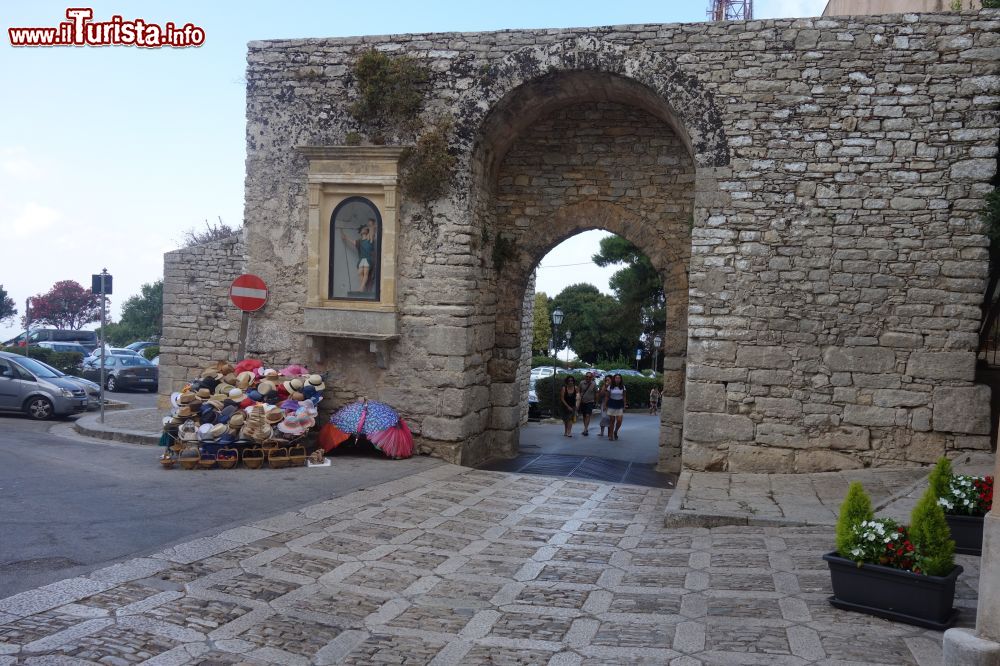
{"x":64,"y":347}
{"x":93,"y":389}
{"x":122,"y":371}
{"x":624,"y":373}
{"x":87,"y":339}
{"x":137,"y":347}
{"x":29,"y":386}
{"x":155,"y":360}
{"x":534,"y":412}
{"x":112,"y":351}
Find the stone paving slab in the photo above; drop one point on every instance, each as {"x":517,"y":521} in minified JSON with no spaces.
{"x":710,"y":499}
{"x":458,"y":566}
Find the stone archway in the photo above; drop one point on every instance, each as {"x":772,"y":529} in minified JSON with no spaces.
{"x":596,"y":157}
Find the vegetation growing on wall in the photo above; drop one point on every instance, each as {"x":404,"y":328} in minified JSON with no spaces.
{"x":427,"y":166}
{"x":390,"y":94}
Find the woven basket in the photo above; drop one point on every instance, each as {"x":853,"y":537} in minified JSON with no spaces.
{"x":297,"y":456}
{"x":168,"y":461}
{"x":207,"y":461}
{"x":189,"y":457}
{"x":277,"y":458}
{"x":253,"y":457}
{"x":227,"y":457}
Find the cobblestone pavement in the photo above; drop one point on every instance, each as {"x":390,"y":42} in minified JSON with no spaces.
{"x":458,"y":566}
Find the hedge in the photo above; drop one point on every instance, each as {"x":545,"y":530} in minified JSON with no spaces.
{"x":67,"y":362}
{"x":637,"y":389}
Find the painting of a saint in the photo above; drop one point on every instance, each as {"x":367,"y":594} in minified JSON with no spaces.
{"x":354,"y":250}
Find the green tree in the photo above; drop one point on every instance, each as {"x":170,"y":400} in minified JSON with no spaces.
{"x":857,"y":507}
{"x":940,"y":477}
{"x":931,"y":536}
{"x":7,"y":308}
{"x":601,"y":327}
{"x":142,"y":316}
{"x":541,"y":325}
{"x":638,"y":285}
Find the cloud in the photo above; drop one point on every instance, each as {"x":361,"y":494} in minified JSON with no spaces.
{"x":17,"y":163}
{"x":31,"y":220}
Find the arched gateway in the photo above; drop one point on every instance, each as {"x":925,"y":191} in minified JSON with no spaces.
{"x":808,"y":190}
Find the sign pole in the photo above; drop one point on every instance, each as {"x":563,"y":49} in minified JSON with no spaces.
{"x":104,"y":300}
{"x":249,"y":293}
{"x":27,"y":324}
{"x":244,"y":325}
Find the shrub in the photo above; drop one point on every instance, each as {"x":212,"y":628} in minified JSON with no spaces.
{"x":856,"y":509}
{"x":151,"y":352}
{"x":931,"y":537}
{"x":67,"y":362}
{"x":427,"y":166}
{"x":389,"y":90}
{"x":940,"y":477}
{"x":637,"y":389}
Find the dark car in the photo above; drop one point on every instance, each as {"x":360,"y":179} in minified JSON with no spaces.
{"x":87,"y":339}
{"x":122,"y":371}
{"x":137,"y":347}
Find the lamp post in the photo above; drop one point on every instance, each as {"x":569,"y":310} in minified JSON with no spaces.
{"x":569,"y":336}
{"x":557,"y":318}
{"x":657,"y":341}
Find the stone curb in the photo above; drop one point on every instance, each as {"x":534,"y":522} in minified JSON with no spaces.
{"x":89,"y":426}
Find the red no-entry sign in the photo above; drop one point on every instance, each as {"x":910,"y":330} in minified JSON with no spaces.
{"x":248,"y":293}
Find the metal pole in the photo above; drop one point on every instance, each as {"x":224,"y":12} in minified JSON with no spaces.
{"x":104,"y":273}
{"x":27,"y":324}
{"x":555,"y":354}
{"x":244,"y":324}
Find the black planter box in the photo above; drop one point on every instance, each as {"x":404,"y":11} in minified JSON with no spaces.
{"x":967,"y":532}
{"x":893,"y":594}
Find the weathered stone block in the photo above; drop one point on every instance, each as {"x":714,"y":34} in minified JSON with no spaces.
{"x":702,"y":397}
{"x":859,"y":359}
{"x":711,"y":351}
{"x":815,"y":460}
{"x":963,"y":409}
{"x":926,"y":447}
{"x":703,"y":457}
{"x":782,"y":435}
{"x":763,"y":357}
{"x":779,"y":407}
{"x":942,"y":365}
{"x":869,"y":416}
{"x":743,"y":458}
{"x":898,"y":398}
{"x":701,"y":427}
{"x":844,"y":437}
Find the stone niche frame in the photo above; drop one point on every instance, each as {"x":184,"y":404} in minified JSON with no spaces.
{"x":337,"y":173}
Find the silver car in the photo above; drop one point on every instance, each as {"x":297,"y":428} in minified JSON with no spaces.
{"x":30,"y":387}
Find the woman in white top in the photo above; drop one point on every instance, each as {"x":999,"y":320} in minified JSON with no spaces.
{"x":615,"y":402}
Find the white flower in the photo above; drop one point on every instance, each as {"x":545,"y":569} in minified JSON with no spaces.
{"x":856,"y":552}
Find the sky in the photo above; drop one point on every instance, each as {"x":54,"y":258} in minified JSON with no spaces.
{"x":108,"y":155}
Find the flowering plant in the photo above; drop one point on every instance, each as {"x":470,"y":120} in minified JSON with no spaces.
{"x":968,"y":495}
{"x":883,"y":541}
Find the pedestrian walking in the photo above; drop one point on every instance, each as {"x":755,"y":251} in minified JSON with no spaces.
{"x":568,"y":397}
{"x":654,"y":400}
{"x":588,"y":396}
{"x":616,"y":401}
{"x":602,"y":394}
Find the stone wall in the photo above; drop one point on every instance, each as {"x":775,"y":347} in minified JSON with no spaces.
{"x":836,"y":257}
{"x":200,"y":324}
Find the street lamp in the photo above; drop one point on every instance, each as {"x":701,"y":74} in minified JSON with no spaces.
{"x":657,"y":341}
{"x":557,"y":318}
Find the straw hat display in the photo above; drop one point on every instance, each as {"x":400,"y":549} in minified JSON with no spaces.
{"x":243,"y":405}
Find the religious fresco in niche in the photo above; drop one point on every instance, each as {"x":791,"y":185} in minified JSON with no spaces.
{"x":355,"y":244}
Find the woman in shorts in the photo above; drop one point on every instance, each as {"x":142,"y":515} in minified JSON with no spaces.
{"x":616,"y":402}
